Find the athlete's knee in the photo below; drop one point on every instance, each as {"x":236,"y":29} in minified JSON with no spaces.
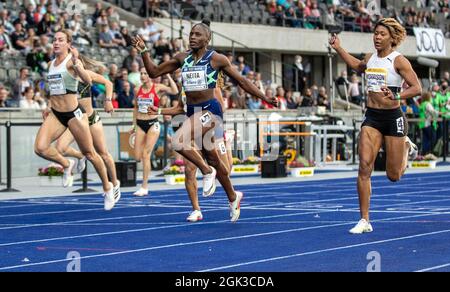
{"x":40,"y":148}
{"x":90,"y":155}
{"x":105,"y":156}
{"x":365,"y":169}
{"x":394,"y":176}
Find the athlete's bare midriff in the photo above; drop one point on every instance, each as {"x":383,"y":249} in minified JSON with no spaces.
{"x":64,"y":103}
{"x":378,"y":100}
{"x":86,"y":103}
{"x":196,"y":97}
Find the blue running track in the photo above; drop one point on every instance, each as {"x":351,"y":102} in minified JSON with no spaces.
{"x":297,"y":226}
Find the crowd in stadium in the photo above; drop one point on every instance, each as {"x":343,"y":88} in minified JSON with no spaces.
{"x":26,"y":32}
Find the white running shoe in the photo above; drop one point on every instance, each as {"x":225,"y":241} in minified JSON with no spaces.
{"x":209,"y":183}
{"x":109,"y":198}
{"x":81,"y":164}
{"x":362,"y":227}
{"x":195,"y":216}
{"x":117,"y":192}
{"x":235,"y":207}
{"x":413,"y":149}
{"x":68,"y":174}
{"x":141,"y":192}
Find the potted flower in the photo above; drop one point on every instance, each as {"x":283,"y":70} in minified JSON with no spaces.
{"x":174,"y":173}
{"x":249,"y":165}
{"x":427,"y":161}
{"x":302,"y":167}
{"x":47,"y":175}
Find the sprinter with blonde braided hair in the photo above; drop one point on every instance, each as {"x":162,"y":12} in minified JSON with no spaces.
{"x":385,"y":71}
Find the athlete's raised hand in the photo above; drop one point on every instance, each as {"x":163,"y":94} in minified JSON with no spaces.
{"x":334,"y":41}
{"x":138,"y":42}
{"x":272,"y":100}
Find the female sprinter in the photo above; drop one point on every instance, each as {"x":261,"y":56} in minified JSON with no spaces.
{"x":62,"y":80}
{"x":200,"y":68}
{"x":385,"y":69}
{"x":95,"y":124}
{"x":147,"y":126}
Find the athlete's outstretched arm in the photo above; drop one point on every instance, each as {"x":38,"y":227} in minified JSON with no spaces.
{"x":99,"y":79}
{"x":77,"y":66}
{"x":224,"y":64}
{"x":152,"y":69}
{"x":354,"y":63}
{"x":170,"y":111}
{"x":405,"y":70}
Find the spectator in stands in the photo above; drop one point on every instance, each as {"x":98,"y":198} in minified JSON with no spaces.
{"x":22,"y":19}
{"x":308,"y":99}
{"x":269,"y":94}
{"x":363,"y":22}
{"x":121,"y":77}
{"x":322,"y":97}
{"x":105,"y":39}
{"x":254,"y":103}
{"x":126,"y":96}
{"x":5,"y":21}
{"x":102,"y":19}
{"x":258,"y":82}
{"x":117,"y":37}
{"x":280,"y":94}
{"x":428,"y":115}
{"x":329,"y":18}
{"x":37,"y":15}
{"x":97,"y":12}
{"x":162,"y":46}
{"x":279,"y":16}
{"x":45,"y":25}
{"x":21,"y":83}
{"x":112,"y":73}
{"x":134,"y":76}
{"x":353,"y":90}
{"x":112,"y":14}
{"x":149,"y":31}
{"x":126,"y":36}
{"x":291,"y":102}
{"x":299,"y":74}
{"x":18,"y":38}
{"x":343,"y":78}
{"x":38,"y":58}
{"x":292,"y":18}
{"x":29,"y":101}
{"x":5,"y":41}
{"x":78,"y":33}
{"x":131,"y":58}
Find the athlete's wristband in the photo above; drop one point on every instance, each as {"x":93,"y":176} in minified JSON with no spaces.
{"x":108,"y":98}
{"x":144,"y":50}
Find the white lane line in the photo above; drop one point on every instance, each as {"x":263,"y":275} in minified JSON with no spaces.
{"x":182,"y":244}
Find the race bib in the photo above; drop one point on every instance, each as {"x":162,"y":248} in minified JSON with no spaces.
{"x":205,"y":118}
{"x":222,"y":148}
{"x":194,"y":78}
{"x":56,"y":84}
{"x":143,"y":104}
{"x":376,"y":78}
{"x":78,"y":114}
{"x":156,"y":127}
